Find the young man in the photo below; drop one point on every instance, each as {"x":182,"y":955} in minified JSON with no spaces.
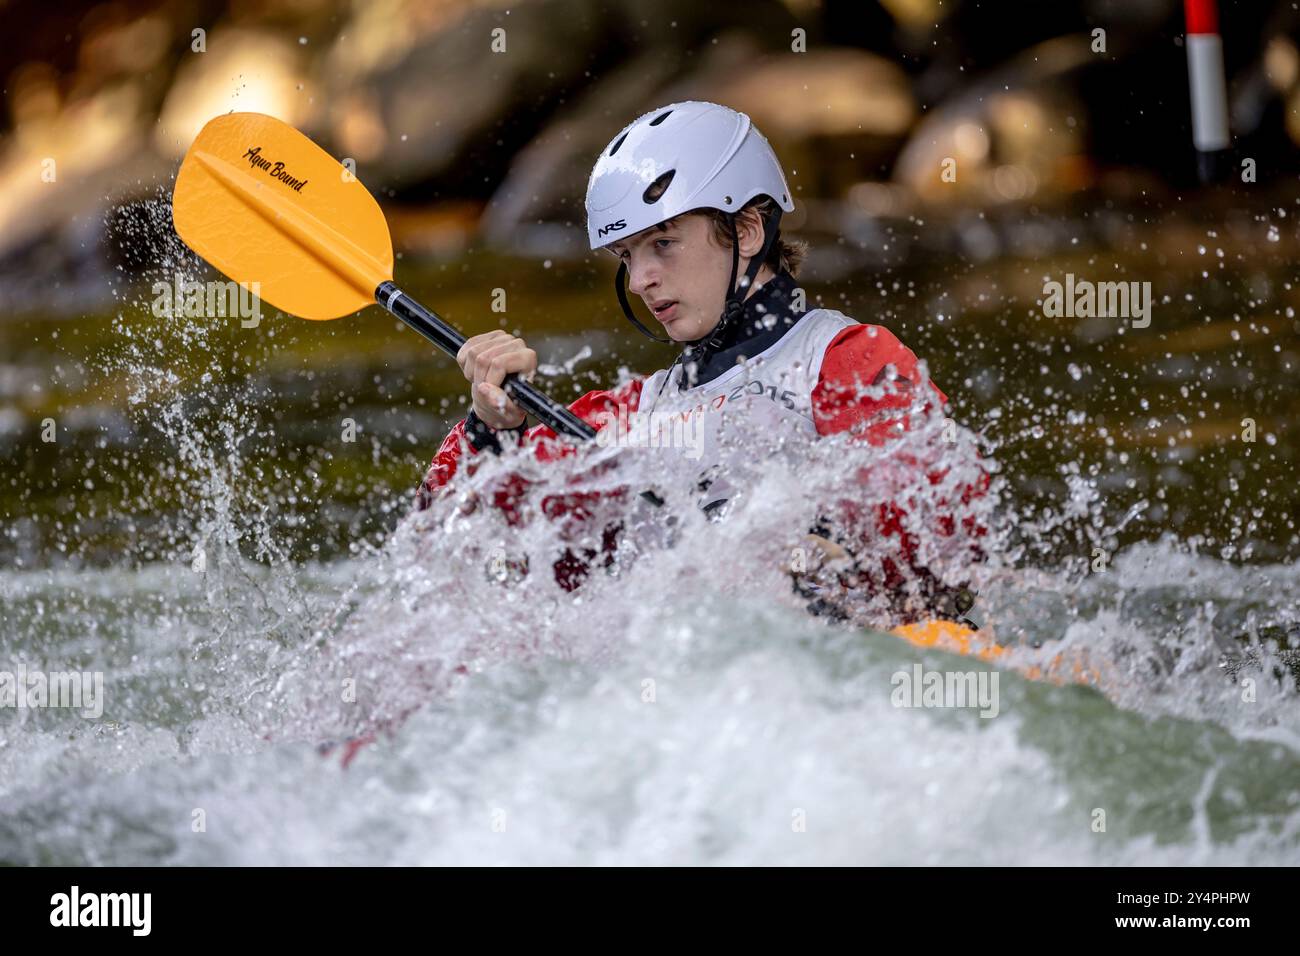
{"x":689,"y":198}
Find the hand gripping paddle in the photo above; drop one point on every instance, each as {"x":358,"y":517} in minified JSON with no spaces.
{"x":276,"y":213}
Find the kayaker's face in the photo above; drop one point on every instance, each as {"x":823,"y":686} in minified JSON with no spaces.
{"x":680,"y":271}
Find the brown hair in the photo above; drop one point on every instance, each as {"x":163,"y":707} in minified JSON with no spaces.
{"x":789,"y":253}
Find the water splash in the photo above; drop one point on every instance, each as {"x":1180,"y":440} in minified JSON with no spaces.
{"x":679,"y":707}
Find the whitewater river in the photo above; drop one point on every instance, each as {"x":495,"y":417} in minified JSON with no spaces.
{"x":255,"y":591}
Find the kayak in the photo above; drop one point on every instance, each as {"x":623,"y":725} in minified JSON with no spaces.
{"x":956,"y":638}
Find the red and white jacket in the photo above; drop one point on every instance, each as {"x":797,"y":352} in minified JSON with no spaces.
{"x":823,"y":374}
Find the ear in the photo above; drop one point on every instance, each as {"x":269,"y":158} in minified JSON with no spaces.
{"x":749,"y":230}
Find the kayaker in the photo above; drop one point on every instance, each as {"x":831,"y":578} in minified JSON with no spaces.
{"x":690,"y":197}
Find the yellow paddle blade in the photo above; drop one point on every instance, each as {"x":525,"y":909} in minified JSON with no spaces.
{"x":276,"y":213}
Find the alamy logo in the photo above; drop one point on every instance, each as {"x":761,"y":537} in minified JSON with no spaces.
{"x":103,"y":909}
{"x":623,"y":429}
{"x":194,"y":299}
{"x":1083,"y":299}
{"x":24,"y":689}
{"x":922,"y":688}
{"x":614,"y":226}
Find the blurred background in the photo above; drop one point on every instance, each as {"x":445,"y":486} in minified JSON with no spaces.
{"x":1070,"y":159}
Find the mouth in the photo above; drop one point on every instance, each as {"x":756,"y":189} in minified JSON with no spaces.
{"x":665,"y":311}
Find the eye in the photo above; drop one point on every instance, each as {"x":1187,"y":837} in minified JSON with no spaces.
{"x":663,"y":243}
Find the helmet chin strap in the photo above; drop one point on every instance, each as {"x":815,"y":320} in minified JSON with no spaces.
{"x":735,"y":304}
{"x":620,"y":286}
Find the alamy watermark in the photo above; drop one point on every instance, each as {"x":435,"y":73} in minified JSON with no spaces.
{"x":623,"y":429}
{"x":130,"y":910}
{"x":193,"y":299}
{"x":921,"y":688}
{"x":1084,"y":299}
{"x":79,"y":690}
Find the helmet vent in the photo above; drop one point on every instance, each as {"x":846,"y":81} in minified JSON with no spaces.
{"x":617,"y":143}
{"x":660,"y":118}
{"x":656,"y":189}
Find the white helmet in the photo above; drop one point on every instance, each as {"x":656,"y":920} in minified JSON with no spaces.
{"x":677,"y":158}
{"x":707,"y":156}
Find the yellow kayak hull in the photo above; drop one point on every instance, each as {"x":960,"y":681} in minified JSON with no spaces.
{"x":959,"y":639}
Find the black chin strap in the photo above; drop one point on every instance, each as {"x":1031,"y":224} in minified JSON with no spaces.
{"x":735,"y":304}
{"x":731,"y":311}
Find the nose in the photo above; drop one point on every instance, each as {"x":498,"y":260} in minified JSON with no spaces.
{"x":642,"y":276}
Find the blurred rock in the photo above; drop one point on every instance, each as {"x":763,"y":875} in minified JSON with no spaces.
{"x":1014,"y":134}
{"x":445,"y":115}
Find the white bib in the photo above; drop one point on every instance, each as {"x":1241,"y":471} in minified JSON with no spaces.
{"x":745,"y":413}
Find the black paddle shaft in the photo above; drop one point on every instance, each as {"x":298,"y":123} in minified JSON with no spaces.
{"x":546,"y":410}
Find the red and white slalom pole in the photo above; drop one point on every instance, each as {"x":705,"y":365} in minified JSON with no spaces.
{"x":1209,"y":89}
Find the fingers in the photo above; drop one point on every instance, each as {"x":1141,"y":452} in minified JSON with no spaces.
{"x":474,"y":346}
{"x":494,"y":364}
{"x":486,"y":360}
{"x":494,"y":406}
{"x":492,"y":356}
